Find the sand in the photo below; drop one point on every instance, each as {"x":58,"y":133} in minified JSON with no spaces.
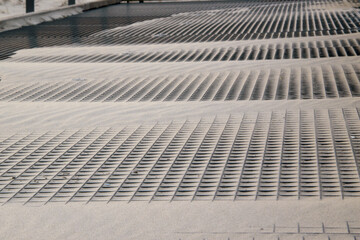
{"x":179,"y":220}
{"x":155,"y":150}
{"x":27,"y":116}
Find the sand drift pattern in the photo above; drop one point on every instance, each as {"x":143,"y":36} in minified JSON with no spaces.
{"x":249,"y":109}
{"x":300,"y":50}
{"x":278,"y":155}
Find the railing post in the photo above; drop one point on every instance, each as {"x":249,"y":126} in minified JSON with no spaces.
{"x":30,"y":6}
{"x":71,"y":2}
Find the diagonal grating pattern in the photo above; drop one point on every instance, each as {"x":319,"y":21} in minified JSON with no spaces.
{"x":251,"y":20}
{"x":280,"y":51}
{"x":263,"y":153}
{"x":200,"y":23}
{"x":254,"y":156}
{"x":316,"y":82}
{"x":77,"y":29}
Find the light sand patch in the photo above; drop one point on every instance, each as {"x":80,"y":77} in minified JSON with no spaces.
{"x":180,"y":220}
{"x":26,"y":116}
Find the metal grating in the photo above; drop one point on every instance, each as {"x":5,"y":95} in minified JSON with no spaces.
{"x":192,"y":22}
{"x":315,"y":82}
{"x":297,"y":50}
{"x":252,"y":20}
{"x":196,"y":51}
{"x":77,"y":29}
{"x":255,"y":156}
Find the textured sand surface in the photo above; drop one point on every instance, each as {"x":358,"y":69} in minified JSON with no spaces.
{"x":211,"y":120}
{"x":197,"y":220}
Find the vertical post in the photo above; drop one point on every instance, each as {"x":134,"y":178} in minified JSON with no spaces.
{"x":30,"y":6}
{"x":71,"y":2}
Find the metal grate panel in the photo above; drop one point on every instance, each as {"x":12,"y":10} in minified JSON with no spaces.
{"x":346,"y":47}
{"x":252,"y":20}
{"x":315,"y":82}
{"x":267,"y":155}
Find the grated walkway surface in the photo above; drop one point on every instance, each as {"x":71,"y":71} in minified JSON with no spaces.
{"x":278,"y":155}
{"x":243,"y":111}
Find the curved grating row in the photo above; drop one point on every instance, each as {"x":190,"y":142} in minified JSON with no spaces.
{"x":268,"y":155}
{"x":194,"y":22}
{"x":317,"y":82}
{"x":247,"y":21}
{"x":279,"y":51}
{"x":161,"y":39}
{"x":96,"y":20}
{"x":76,"y":29}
